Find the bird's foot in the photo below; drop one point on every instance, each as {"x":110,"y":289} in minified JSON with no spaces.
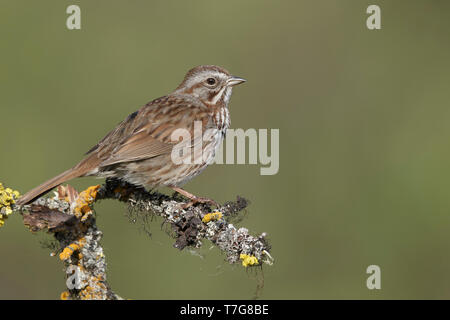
{"x":194,"y":199}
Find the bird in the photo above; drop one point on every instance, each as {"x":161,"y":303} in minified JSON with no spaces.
{"x":142,"y":151}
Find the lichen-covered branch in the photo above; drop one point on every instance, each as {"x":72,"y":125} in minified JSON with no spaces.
{"x":69,"y":217}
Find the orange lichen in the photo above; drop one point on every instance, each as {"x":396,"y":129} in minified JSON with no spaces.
{"x":85,"y":199}
{"x":212,"y":216}
{"x":71,"y":248}
{"x":87,"y":293}
{"x":95,"y":290}
{"x":65,"y":295}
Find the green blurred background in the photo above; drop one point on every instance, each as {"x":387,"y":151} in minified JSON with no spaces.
{"x":364,"y":139}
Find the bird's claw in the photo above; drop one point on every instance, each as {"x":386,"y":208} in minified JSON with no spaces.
{"x":196,"y":200}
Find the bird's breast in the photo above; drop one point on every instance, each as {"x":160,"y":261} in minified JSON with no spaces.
{"x":222,"y":119}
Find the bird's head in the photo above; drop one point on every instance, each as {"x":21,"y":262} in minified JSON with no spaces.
{"x":211,"y":84}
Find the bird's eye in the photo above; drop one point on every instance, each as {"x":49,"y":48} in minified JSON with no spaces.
{"x":211,"y":81}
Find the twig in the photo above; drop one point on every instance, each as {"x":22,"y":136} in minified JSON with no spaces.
{"x":69,"y":217}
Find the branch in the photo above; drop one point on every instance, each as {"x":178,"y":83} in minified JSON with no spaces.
{"x":69,"y":217}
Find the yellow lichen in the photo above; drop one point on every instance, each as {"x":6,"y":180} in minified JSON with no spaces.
{"x":65,"y":295}
{"x":85,"y":199}
{"x":248,"y":260}
{"x":71,"y":248}
{"x":95,"y":290}
{"x":8,"y":197}
{"x":87,"y":293}
{"x":212,"y":216}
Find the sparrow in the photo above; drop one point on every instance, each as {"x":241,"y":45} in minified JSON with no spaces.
{"x":141,"y":149}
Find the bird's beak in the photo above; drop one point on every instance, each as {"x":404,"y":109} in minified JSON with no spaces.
{"x":234,"y":81}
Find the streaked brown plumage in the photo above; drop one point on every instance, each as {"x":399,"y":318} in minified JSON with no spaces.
{"x":139,"y":149}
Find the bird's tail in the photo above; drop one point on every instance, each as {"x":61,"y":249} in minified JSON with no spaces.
{"x":50,"y":184}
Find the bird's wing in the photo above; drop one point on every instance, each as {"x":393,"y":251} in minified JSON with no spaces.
{"x":148,"y":133}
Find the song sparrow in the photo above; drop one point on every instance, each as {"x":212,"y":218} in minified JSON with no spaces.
{"x":139,"y":149}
